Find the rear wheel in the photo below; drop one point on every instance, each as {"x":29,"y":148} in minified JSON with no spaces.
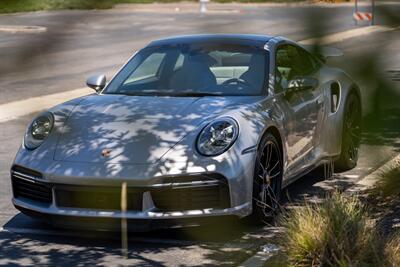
{"x":267,"y":180}
{"x":351,"y":135}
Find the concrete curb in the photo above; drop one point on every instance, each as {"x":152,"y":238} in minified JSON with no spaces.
{"x":370,"y":180}
{"x":261,"y":257}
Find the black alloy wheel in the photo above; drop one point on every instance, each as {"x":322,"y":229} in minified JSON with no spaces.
{"x":351,"y":135}
{"x":267,"y":180}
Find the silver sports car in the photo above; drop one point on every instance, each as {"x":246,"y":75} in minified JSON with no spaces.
{"x":193,"y":127}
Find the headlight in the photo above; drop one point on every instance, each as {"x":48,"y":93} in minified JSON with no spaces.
{"x":217,"y":137}
{"x":38,"y":130}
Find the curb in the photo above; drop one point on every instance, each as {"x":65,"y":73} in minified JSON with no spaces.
{"x":370,"y":180}
{"x":261,"y":257}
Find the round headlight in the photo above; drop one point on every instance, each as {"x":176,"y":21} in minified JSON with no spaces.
{"x":217,"y":137}
{"x":38,"y":130}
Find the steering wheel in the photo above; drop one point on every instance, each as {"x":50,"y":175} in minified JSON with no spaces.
{"x":237,"y":81}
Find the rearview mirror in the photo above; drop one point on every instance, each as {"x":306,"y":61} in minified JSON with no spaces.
{"x":96,"y":82}
{"x":302,"y":83}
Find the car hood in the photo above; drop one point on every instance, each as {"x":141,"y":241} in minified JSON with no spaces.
{"x":134,"y":129}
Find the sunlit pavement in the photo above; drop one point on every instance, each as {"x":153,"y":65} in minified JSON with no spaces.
{"x":81,"y":42}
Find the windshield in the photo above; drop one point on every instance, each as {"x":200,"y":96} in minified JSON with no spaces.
{"x":193,"y":70}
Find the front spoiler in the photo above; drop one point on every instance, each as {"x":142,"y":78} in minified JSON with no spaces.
{"x":239,"y":211}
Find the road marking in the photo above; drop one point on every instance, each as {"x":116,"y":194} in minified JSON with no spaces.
{"x":16,"y":109}
{"x":345,"y":35}
{"x":22,"y":29}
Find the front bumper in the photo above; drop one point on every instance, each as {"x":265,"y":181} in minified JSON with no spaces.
{"x":194,"y":196}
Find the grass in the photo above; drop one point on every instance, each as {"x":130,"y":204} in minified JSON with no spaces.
{"x":333,"y":233}
{"x":392,"y":250}
{"x":10,"y":6}
{"x":388,"y":185}
{"x":340,"y":232}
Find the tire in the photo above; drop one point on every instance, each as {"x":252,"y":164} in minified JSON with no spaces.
{"x":267,"y":180}
{"x":351,"y":135}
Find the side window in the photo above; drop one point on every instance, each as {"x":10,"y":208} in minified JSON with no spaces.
{"x":285,"y":67}
{"x":315,"y":62}
{"x":148,"y":69}
{"x":179,"y":62}
{"x":291,"y":61}
{"x":307,"y":63}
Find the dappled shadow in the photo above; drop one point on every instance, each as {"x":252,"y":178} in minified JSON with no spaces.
{"x":382,"y":128}
{"x":388,"y":222}
{"x":219,"y":243}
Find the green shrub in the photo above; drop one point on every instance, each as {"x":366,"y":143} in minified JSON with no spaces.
{"x":333,"y":233}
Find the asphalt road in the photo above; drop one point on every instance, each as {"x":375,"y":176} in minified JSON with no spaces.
{"x":78,"y":43}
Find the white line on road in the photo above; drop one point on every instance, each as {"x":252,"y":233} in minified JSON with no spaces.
{"x":342,"y":36}
{"x":22,"y":29}
{"x":16,"y":109}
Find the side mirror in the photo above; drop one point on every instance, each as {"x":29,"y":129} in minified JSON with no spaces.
{"x":302,"y":84}
{"x":96,"y":82}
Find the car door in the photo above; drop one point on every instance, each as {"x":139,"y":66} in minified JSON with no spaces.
{"x":299,"y":106}
{"x":315,"y":99}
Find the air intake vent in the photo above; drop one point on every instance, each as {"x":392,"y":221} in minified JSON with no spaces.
{"x":335,"y":97}
{"x":26,"y":185}
{"x":97,"y":197}
{"x":180,"y":199}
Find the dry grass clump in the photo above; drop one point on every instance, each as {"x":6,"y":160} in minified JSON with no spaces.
{"x":389,"y":183}
{"x":333,"y":233}
{"x":392,"y":250}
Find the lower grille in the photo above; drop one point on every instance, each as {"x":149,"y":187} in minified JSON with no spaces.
{"x":32,"y":190}
{"x":172,"y":194}
{"x":192,"y":198}
{"x":101,"y":197}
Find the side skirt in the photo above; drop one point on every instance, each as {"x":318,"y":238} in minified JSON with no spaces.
{"x":289,"y":180}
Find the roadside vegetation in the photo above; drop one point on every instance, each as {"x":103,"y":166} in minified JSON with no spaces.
{"x":345,"y":230}
{"x":11,"y":6}
{"x":388,"y":185}
{"x":333,"y":233}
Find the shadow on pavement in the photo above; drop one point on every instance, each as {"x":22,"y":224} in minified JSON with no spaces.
{"x":26,"y":240}
{"x":383,"y":128}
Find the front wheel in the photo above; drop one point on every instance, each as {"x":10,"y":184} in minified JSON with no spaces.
{"x":351,"y":135}
{"x":267,"y":180}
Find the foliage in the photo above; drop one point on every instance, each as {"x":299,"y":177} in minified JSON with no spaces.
{"x":389,"y":183}
{"x":333,"y":233}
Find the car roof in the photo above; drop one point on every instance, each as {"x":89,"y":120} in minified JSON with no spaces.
{"x":240,"y":39}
